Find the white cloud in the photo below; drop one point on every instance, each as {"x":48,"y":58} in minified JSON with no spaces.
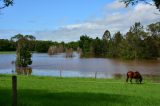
{"x":8,"y":33}
{"x":115,"y":5}
{"x":82,"y":25}
{"x":68,"y":33}
{"x":119,"y":20}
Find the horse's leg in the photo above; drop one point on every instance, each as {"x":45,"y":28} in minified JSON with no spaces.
{"x":140,"y":81}
{"x":136,"y":80}
{"x":127,"y":79}
{"x":131,"y":80}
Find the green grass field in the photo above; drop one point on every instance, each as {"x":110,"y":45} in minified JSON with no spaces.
{"x":7,"y":52}
{"x":54,"y":91}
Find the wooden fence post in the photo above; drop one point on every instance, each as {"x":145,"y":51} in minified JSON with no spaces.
{"x":96,"y":75}
{"x":14,"y":90}
{"x":61,"y":68}
{"x":60,"y":73}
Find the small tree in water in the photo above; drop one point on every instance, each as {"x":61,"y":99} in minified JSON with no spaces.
{"x":23,"y":53}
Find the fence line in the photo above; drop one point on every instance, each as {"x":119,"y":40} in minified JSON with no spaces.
{"x":14,"y":90}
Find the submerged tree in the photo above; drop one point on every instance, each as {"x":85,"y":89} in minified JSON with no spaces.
{"x":24,"y":55}
{"x":55,"y":49}
{"x":69,"y":52}
{"x":85,"y":44}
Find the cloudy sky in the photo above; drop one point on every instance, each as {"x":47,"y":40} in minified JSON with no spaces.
{"x":67,"y":20}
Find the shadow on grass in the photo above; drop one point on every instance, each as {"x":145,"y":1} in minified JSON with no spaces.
{"x":45,"y":98}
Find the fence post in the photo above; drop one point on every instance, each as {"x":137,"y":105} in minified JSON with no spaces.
{"x":96,"y":75}
{"x":61,"y":68}
{"x":60,"y":73}
{"x":14,"y":90}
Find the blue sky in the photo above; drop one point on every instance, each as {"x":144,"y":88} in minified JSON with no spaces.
{"x":66,"y":20}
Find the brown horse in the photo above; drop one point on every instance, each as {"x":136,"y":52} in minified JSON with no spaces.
{"x":134,"y":75}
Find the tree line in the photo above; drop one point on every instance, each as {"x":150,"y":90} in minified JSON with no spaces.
{"x":39,"y":46}
{"x":137,"y":43}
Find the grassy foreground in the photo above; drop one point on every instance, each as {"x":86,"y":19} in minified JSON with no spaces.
{"x":53,"y":91}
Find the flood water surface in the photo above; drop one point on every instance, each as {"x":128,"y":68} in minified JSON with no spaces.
{"x":58,"y":65}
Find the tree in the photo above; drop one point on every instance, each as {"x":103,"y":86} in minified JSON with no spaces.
{"x":134,"y":2}
{"x":117,"y":39}
{"x":154,"y":31}
{"x":5,"y":3}
{"x":127,"y":47}
{"x":24,"y":55}
{"x":150,"y":48}
{"x":20,"y":36}
{"x":85,"y":44}
{"x":43,"y":46}
{"x":6,"y":45}
{"x":97,"y":47}
{"x":132,"y":46}
{"x":106,"y":35}
{"x":73,"y":45}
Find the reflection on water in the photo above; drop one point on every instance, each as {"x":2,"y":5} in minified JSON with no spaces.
{"x":72,"y":74}
{"x":45,"y":65}
{"x":118,"y":76}
{"x":24,"y":71}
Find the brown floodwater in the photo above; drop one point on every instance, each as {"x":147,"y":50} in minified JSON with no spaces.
{"x":58,"y":65}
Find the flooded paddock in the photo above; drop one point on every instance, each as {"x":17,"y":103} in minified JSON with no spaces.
{"x":58,"y":65}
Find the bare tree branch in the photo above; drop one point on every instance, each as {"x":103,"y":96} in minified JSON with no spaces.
{"x":134,"y":2}
{"x":5,"y":3}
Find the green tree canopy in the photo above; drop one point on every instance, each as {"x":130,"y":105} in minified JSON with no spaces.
{"x":154,"y":29}
{"x":24,"y":55}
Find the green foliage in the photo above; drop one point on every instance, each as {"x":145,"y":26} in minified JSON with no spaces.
{"x":23,"y":58}
{"x":116,"y":44}
{"x":73,"y":45}
{"x":134,"y":40}
{"x":97,"y":47}
{"x":7,"y":45}
{"x":85,"y":44}
{"x":151,"y":48}
{"x":43,"y":46}
{"x":154,"y":29}
{"x":33,"y":44}
{"x":135,"y":44}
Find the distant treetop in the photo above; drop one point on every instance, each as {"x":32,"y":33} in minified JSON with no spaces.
{"x":5,"y":3}
{"x":134,"y":2}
